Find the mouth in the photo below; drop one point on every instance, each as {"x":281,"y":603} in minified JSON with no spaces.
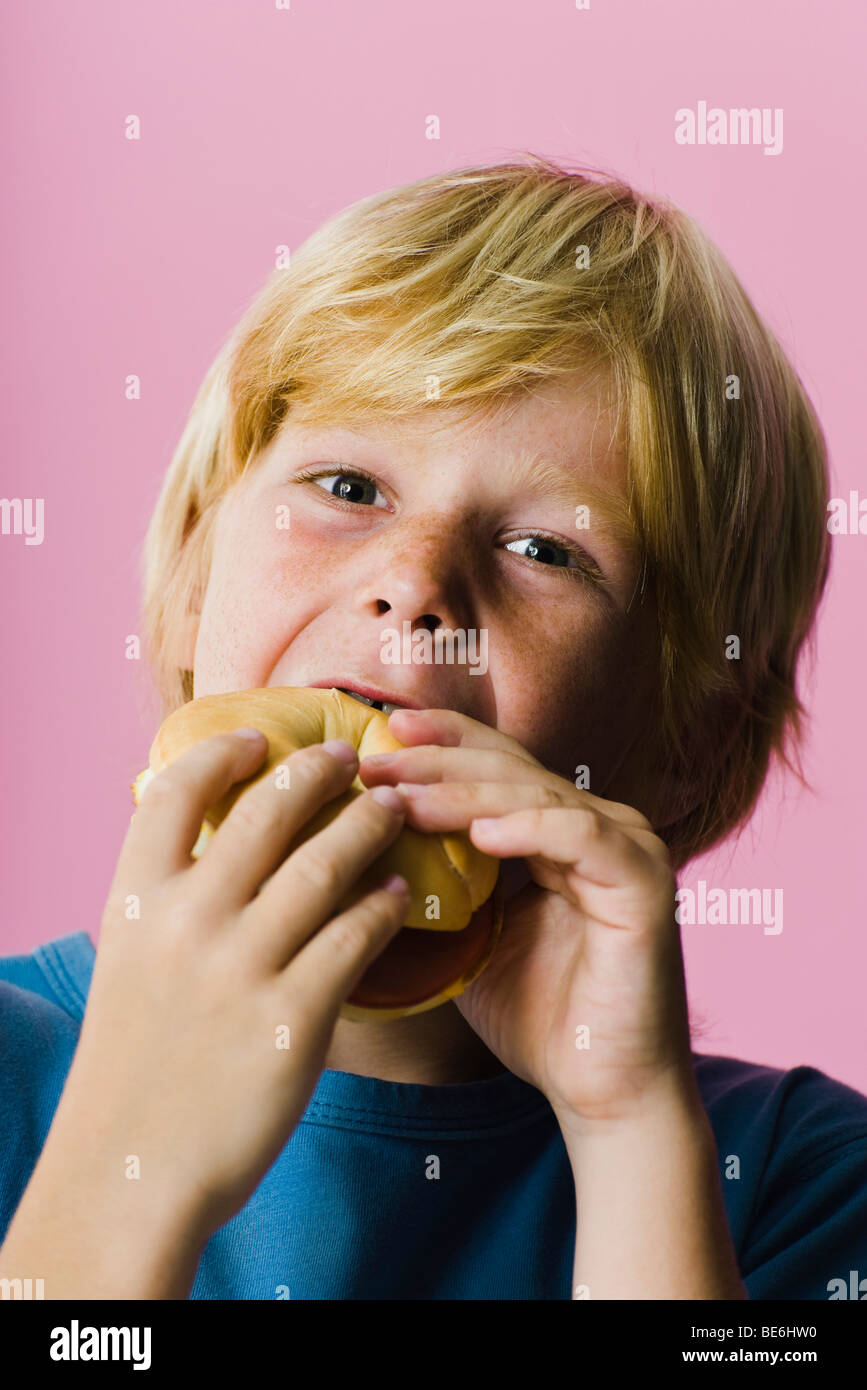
{"x":385,"y":705}
{"x":369,"y":695}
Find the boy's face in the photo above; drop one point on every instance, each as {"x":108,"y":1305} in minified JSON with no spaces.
{"x":444,"y":537}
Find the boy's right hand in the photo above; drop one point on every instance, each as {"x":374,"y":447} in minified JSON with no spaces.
{"x":182,"y":1059}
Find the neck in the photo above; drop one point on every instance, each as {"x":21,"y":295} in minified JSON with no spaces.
{"x":437,"y":1048}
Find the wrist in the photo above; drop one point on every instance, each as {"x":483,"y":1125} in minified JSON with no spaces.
{"x":673,"y":1101}
{"x":92,"y":1233}
{"x":652,"y":1221}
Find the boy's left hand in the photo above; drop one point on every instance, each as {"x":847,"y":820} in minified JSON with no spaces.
{"x":591,"y":944}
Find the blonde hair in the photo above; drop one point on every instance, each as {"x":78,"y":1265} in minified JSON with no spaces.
{"x":475,"y":278}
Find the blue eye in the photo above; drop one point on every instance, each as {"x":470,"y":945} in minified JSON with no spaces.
{"x":349,"y":485}
{"x":539,"y":547}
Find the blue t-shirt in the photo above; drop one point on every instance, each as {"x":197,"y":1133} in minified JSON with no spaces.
{"x":392,"y":1190}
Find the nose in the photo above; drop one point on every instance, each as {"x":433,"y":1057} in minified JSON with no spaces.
{"x":423,"y":577}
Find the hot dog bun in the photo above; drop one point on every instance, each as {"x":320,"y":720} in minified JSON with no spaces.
{"x":455,"y":910}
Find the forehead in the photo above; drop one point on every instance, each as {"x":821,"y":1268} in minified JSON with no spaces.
{"x":570,"y":422}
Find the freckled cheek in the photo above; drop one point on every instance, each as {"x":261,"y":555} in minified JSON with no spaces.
{"x":259,"y":561}
{"x":255,"y":587}
{"x":306,"y":553}
{"x":552,"y":677}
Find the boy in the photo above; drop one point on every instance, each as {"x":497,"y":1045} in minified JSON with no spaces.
{"x":526,"y":402}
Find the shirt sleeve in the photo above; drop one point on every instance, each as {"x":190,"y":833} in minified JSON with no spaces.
{"x":37,"y":1044}
{"x":807,"y":1235}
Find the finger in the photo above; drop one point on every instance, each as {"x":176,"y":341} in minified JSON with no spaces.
{"x":438,"y":807}
{"x":430,"y":763}
{"x":331,"y":964}
{"x":590,"y":844}
{"x":449,"y":806}
{"x":455,"y":730}
{"x":171,"y":809}
{"x":253,"y":839}
{"x":308,"y":887}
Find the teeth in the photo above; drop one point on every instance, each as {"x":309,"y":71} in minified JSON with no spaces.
{"x":361,"y":698}
{"x":375,"y":704}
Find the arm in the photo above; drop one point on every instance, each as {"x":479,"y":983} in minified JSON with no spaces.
{"x":91,"y":1233}
{"x":651,"y":1219}
{"x":585,"y":998}
{"x":140,"y":1167}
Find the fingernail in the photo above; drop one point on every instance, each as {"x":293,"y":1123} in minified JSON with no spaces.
{"x":339,"y":748}
{"x":396,"y":884}
{"x":412,"y":788}
{"x":249,"y":733}
{"x":390,"y":797}
{"x":378,"y":758}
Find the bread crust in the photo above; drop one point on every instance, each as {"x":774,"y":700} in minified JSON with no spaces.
{"x":445,"y":872}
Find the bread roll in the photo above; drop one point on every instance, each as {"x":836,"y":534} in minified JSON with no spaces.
{"x":452,"y":921}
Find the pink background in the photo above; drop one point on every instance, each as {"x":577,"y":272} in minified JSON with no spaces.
{"x":138,"y":257}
